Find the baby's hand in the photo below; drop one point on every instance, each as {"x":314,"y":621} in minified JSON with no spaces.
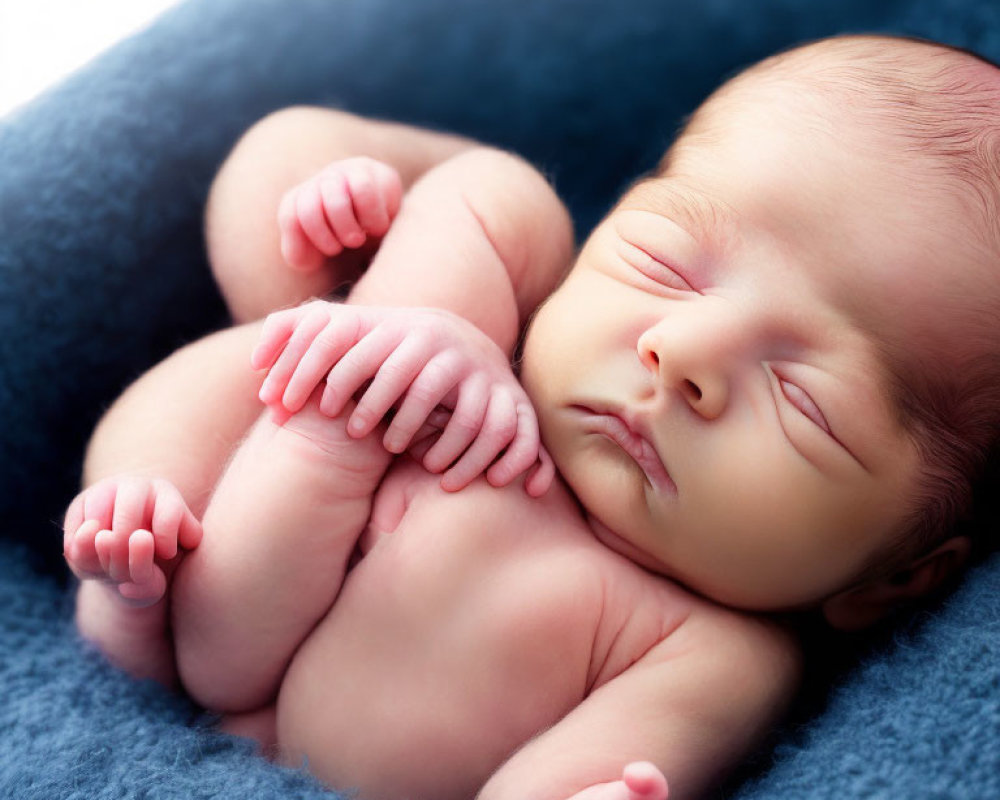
{"x":420,"y":359}
{"x":337,"y":209}
{"x":117,"y":529}
{"x":640,"y":781}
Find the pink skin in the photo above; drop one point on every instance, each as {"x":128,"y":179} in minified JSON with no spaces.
{"x":417,"y":360}
{"x":123,"y":530}
{"x":340,"y":208}
{"x":640,"y":781}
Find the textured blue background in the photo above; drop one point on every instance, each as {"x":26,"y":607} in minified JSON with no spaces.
{"x":102,"y":272}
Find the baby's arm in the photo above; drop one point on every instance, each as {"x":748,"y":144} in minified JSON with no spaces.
{"x":297,"y":494}
{"x":718,"y":684}
{"x":482,"y":235}
{"x":346,"y":205}
{"x":288,"y":149}
{"x":451,"y":185}
{"x":279,"y":530}
{"x":420,"y":359}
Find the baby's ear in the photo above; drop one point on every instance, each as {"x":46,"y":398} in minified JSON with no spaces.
{"x":862,"y":606}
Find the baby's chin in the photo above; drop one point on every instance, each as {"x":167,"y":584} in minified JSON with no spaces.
{"x":623,"y":544}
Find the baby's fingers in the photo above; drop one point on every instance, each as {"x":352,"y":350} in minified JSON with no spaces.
{"x":434,"y":381}
{"x":277,"y":329}
{"x":358,"y":365}
{"x":645,"y":781}
{"x":273,"y":387}
{"x":146,"y":592}
{"x":394,"y":378}
{"x":336,"y":192}
{"x":73,"y":519}
{"x":390,"y":187}
{"x":370,"y":208}
{"x":329,"y":346}
{"x":173,"y":522}
{"x":499,"y":428}
{"x":541,"y":477}
{"x":522,"y":452}
{"x":296,"y":248}
{"x":310,"y":205}
{"x":141,"y":551}
{"x":81,"y":552}
{"x":99,"y":502}
{"x":113,"y":552}
{"x":133,"y":507}
{"x":464,"y":425}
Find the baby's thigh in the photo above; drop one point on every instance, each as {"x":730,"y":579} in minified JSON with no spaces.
{"x":182,"y":418}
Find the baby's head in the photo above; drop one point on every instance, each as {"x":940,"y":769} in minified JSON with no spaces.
{"x":774,"y":370}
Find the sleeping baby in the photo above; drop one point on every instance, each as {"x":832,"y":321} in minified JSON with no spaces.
{"x":764,"y":388}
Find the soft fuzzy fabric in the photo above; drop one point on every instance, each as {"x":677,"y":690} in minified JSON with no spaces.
{"x":102,"y":183}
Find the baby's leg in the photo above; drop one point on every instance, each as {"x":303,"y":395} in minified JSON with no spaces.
{"x":150,"y":467}
{"x":277,"y":153}
{"x":279,"y":531}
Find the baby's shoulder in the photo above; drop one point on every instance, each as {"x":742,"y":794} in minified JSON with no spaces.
{"x":754,"y":637}
{"x":746,"y":661}
{"x":649,"y":619}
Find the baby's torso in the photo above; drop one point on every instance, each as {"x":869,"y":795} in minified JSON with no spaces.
{"x":474,"y":621}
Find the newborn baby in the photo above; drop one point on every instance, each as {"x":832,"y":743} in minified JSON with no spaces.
{"x":765,"y":384}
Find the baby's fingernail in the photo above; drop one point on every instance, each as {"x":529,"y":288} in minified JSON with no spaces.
{"x":393,"y":443}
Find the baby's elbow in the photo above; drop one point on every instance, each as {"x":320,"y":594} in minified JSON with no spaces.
{"x":519,"y":210}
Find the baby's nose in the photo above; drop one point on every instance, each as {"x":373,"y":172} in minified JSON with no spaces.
{"x":696,"y":357}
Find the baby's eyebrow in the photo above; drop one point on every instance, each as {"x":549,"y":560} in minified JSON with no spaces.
{"x":694,"y":212}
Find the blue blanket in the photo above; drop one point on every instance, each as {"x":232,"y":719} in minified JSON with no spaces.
{"x":102,"y":272}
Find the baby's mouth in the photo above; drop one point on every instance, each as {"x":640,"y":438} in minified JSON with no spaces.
{"x":615,"y":427}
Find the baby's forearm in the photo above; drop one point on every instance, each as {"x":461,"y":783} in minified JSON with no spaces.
{"x":482,"y":235}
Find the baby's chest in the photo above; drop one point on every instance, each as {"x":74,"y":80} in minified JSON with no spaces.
{"x":484,"y":582}
{"x":473,"y":622}
{"x":506,"y":578}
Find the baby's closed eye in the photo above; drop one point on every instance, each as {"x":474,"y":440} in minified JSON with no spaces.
{"x":656,"y":269}
{"x":799,"y":398}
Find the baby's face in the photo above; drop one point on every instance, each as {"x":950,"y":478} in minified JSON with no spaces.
{"x":708,"y":378}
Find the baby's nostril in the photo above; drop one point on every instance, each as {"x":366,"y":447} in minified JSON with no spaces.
{"x":692,"y":389}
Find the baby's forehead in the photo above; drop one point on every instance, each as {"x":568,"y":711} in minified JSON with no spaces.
{"x":869,"y":83}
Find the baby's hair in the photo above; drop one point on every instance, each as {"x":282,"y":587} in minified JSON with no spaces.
{"x":943,"y":105}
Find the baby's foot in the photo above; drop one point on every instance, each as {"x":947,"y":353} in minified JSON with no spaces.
{"x":124,"y":532}
{"x":340,"y":208}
